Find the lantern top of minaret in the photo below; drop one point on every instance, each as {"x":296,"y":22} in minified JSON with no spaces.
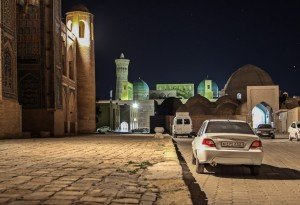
{"x":80,"y":7}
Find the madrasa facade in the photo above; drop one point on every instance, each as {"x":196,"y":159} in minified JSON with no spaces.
{"x":47,"y":78}
{"x":250,"y":94}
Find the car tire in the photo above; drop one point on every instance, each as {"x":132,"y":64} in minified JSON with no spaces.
{"x":255,"y":170}
{"x":199,"y":167}
{"x":273,"y":137}
{"x":290,"y":137}
{"x":193,"y":158}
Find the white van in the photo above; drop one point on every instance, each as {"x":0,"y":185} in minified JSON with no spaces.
{"x":182,"y":125}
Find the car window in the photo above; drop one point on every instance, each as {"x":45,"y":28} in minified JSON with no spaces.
{"x":179,"y":121}
{"x":201,"y":129}
{"x":264,"y":126}
{"x":187,"y":121}
{"x":293,"y":125}
{"x":298,"y":125}
{"x":228,"y":127}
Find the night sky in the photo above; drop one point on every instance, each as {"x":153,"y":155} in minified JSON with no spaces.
{"x":171,"y":41}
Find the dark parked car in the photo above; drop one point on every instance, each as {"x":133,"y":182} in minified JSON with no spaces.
{"x":140,"y":130}
{"x":265,"y":130}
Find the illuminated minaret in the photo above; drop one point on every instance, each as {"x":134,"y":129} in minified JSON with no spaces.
{"x":121,"y":74}
{"x":81,"y":22}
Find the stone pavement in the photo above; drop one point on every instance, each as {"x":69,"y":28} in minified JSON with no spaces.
{"x":97,"y":169}
{"x":278,"y":183}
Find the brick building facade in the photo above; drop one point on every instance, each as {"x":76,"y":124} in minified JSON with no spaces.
{"x":47,"y":69}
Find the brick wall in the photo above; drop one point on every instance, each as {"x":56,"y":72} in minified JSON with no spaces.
{"x":10,"y":119}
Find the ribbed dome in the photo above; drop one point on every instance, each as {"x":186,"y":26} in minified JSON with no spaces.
{"x":80,"y":7}
{"x":248,"y":75}
{"x":140,"y":90}
{"x":202,"y":87}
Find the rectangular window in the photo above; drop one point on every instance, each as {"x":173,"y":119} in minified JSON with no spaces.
{"x":179,"y":121}
{"x":187,"y":121}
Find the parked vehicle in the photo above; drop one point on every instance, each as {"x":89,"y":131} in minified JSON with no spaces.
{"x":227,"y":142}
{"x":103,"y":129}
{"x":294,"y":131}
{"x":140,"y":130}
{"x":265,"y":130}
{"x":182,"y":125}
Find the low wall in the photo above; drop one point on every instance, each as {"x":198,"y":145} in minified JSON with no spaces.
{"x":10,"y":119}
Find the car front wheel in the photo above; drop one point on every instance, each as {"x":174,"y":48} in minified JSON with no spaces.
{"x":255,"y":170}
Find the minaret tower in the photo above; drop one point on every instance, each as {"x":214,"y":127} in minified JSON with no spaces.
{"x":122,"y":74}
{"x":81,"y":22}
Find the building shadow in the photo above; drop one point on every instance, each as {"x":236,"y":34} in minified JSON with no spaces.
{"x":267,"y":172}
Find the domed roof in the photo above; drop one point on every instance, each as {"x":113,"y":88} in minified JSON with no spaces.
{"x":140,"y":85}
{"x":248,"y":75}
{"x":80,"y":7}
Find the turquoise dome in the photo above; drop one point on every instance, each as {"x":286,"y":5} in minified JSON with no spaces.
{"x":140,"y":90}
{"x":214,"y":88}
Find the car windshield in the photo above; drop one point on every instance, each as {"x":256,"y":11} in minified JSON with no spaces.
{"x":264,"y":126}
{"x":228,"y":127}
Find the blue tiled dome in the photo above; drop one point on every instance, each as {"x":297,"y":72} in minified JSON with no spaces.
{"x":140,"y":90}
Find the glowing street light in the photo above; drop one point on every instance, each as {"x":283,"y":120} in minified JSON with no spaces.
{"x":135,"y":105}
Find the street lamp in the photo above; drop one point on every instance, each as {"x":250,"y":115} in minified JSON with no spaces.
{"x":135,"y":105}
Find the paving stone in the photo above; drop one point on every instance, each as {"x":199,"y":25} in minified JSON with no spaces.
{"x":146,"y":203}
{"x":93,"y":199}
{"x":38,"y":195}
{"x":149,"y":198}
{"x":81,"y":170}
{"x":57,"y":202}
{"x":126,"y":201}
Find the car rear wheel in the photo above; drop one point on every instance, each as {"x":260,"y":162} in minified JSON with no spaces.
{"x":193,"y":159}
{"x":199,"y":167}
{"x":255,"y":170}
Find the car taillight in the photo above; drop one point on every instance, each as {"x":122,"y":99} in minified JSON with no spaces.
{"x":208,"y":142}
{"x":256,"y":144}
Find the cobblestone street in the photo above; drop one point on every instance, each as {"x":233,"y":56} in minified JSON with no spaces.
{"x":98,"y":169}
{"x":278,"y":183}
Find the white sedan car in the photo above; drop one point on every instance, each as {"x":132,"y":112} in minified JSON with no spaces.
{"x":294,"y":131}
{"x":227,"y":142}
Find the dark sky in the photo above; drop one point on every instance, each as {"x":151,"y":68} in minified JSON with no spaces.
{"x":184,"y":41}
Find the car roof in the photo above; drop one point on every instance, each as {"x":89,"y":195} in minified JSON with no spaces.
{"x":224,"y":120}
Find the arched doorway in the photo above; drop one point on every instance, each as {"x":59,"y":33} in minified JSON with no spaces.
{"x":262,"y":114}
{"x":124,"y":127}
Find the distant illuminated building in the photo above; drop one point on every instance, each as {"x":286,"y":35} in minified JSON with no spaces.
{"x":140,"y":90}
{"x":208,"y":89}
{"x":121,"y":77}
{"x":184,"y":91}
{"x":127,"y":91}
